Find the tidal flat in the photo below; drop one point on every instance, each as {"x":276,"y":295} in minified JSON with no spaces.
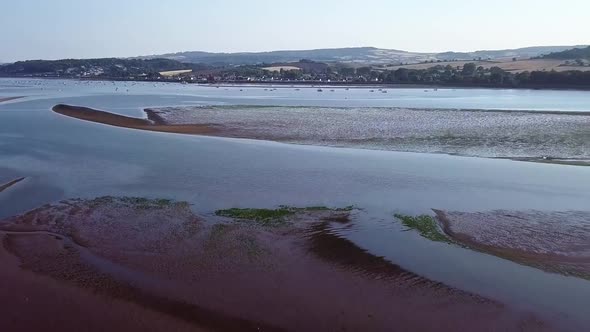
{"x":550,"y":137}
{"x":157,"y":254}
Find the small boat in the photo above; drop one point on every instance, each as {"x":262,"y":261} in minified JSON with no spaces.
{"x":384,"y":91}
{"x":320,"y":90}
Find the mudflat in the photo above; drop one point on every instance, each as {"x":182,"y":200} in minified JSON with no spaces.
{"x":242,"y":270}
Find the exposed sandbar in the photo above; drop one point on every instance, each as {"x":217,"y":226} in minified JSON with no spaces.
{"x":153,"y":122}
{"x":2,"y":99}
{"x":279,"y":271}
{"x":552,"y":241}
{"x":549,"y":137}
{"x":10,"y":184}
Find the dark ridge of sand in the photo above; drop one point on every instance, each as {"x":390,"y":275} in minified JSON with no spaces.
{"x":10,"y":184}
{"x":233,"y":276}
{"x":538,"y":239}
{"x":153,"y":123}
{"x":9,"y":98}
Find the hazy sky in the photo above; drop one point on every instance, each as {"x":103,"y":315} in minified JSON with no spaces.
{"x":49,"y":29}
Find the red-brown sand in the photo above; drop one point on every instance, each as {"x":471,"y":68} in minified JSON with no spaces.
{"x":153,"y":123}
{"x":136,"y":255}
{"x":33,"y":302}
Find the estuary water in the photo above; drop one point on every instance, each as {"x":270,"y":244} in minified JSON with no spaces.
{"x":67,"y":158}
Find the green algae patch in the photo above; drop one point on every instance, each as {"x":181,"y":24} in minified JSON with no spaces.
{"x":323,"y":208}
{"x":140,"y":203}
{"x":259,"y":215}
{"x":277,"y":216}
{"x":426,"y":226}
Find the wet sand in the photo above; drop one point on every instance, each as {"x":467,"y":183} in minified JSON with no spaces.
{"x":226,"y":274}
{"x":153,"y":122}
{"x":548,"y":137}
{"x":2,"y":99}
{"x":556,"y":242}
{"x":33,"y":302}
{"x":10,"y":184}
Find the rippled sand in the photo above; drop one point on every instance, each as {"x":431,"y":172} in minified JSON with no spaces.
{"x":552,"y":241}
{"x":465,"y":132}
{"x":229,"y":275}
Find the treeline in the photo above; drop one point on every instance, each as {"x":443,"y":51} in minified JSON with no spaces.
{"x":469,"y":74}
{"x":466,"y":75}
{"x":108,"y":67}
{"x":574,"y":53}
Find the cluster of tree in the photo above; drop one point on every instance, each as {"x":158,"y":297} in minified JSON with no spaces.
{"x":574,"y":53}
{"x":306,"y":70}
{"x":106,"y":67}
{"x":469,"y":74}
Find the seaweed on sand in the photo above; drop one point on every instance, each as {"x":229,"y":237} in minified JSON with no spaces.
{"x":276,"y":216}
{"x":426,"y":226}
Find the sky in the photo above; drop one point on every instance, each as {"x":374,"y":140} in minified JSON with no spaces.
{"x":53,"y":29}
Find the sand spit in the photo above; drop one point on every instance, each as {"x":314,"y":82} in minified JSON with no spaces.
{"x":550,"y":137}
{"x":10,"y":184}
{"x":153,"y":122}
{"x":292,"y":274}
{"x":556,"y":242}
{"x":2,"y":99}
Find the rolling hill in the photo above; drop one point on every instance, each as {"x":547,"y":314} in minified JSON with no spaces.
{"x":571,"y":54}
{"x":361,"y":55}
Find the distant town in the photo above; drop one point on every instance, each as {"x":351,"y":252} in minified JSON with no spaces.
{"x":569,"y":68}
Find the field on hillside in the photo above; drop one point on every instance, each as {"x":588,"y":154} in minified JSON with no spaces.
{"x":175,"y":72}
{"x":508,"y":65}
{"x":279,"y":68}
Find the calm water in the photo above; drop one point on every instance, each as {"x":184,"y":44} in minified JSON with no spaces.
{"x":65,"y":158}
